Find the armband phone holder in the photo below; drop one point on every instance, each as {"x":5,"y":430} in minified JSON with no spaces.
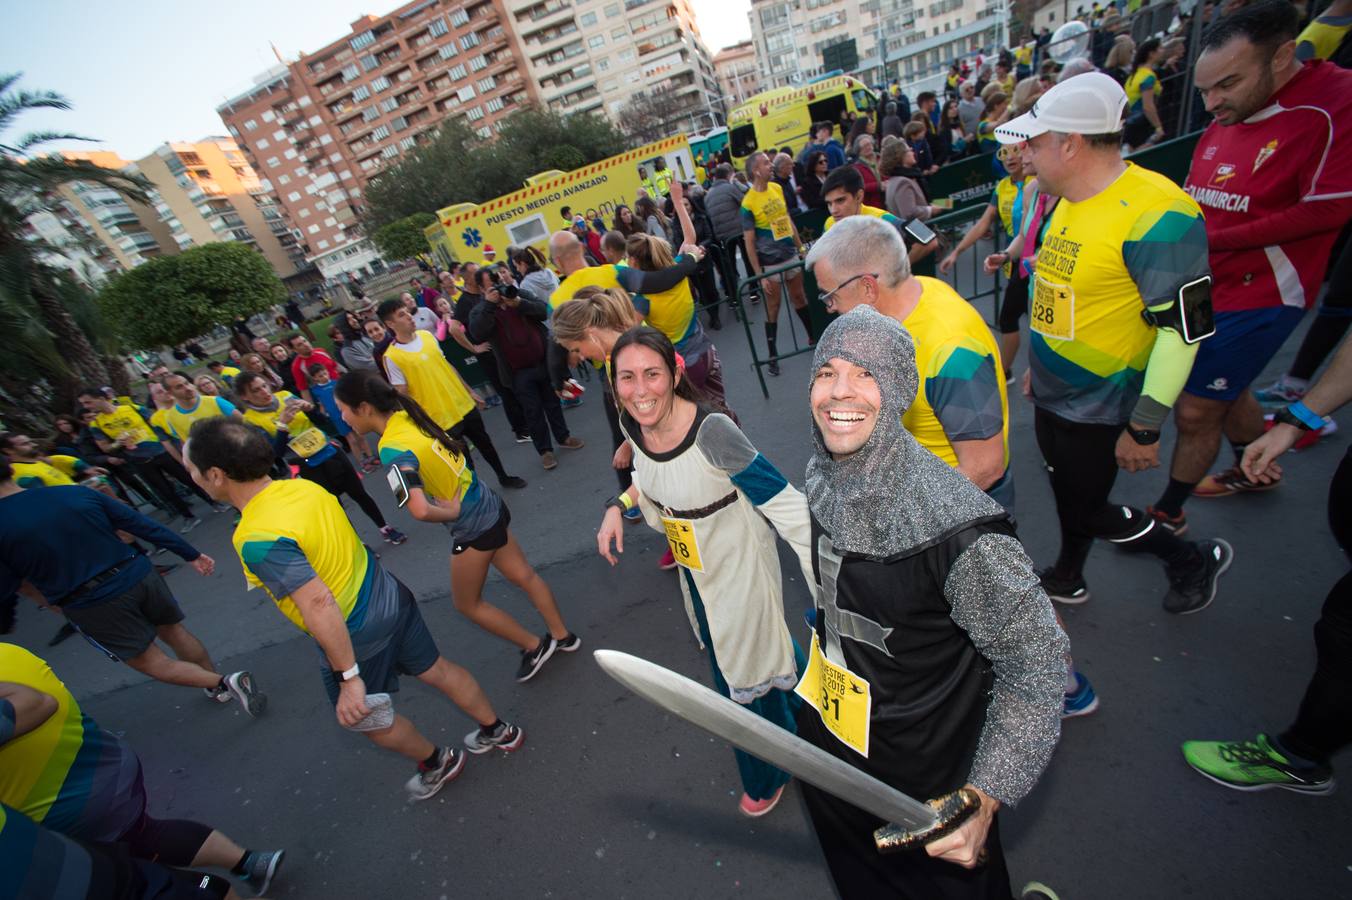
{"x":1190,"y":314}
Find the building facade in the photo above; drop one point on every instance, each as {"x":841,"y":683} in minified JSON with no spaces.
{"x":738,"y":72}
{"x":318,"y":128}
{"x":597,"y":55}
{"x":206,"y":192}
{"x":126,"y":231}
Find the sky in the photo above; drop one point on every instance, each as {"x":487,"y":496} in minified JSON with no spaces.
{"x":141,"y":74}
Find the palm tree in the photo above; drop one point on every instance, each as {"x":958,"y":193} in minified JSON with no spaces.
{"x":48,"y":355}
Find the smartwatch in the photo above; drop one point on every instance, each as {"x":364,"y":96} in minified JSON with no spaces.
{"x":1144,"y":436}
{"x":348,"y":675}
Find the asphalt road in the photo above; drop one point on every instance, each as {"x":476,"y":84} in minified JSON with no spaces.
{"x":612,"y":798}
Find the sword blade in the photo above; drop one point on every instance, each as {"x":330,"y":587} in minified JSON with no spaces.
{"x":742,"y":728}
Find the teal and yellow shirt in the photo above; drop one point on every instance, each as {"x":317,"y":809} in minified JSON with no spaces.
{"x":766,"y":213}
{"x":179,"y":421}
{"x":442,"y":473}
{"x":129,"y":422}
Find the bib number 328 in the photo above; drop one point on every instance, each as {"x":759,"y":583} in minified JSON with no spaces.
{"x":1053,"y":310}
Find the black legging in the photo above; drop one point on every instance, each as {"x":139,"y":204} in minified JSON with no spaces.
{"x":173,"y":842}
{"x":1324,"y":724}
{"x":1082,"y":465}
{"x":1014,"y":305}
{"x":156,"y":472}
{"x":1335,"y":315}
{"x":472,"y":427}
{"x":337,"y":476}
{"x":616,"y":436}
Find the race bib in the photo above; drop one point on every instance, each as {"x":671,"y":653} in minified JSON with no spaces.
{"x":781,"y":228}
{"x":684,"y":543}
{"x":308,"y":443}
{"x":840,"y":697}
{"x":1052,"y":313}
{"x":126,"y":429}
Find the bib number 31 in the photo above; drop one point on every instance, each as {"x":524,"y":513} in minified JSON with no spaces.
{"x":841,"y":698}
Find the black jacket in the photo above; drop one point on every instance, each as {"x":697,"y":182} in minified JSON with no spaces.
{"x":483,"y":326}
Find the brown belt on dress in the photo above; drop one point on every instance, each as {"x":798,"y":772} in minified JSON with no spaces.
{"x":702,"y":513}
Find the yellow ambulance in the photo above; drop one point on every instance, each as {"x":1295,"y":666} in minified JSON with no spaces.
{"x":783,"y":117}
{"x":532,"y":214}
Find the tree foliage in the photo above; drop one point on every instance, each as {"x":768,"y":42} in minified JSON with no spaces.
{"x":457,"y":166}
{"x":171,"y":299}
{"x":649,"y":117}
{"x":404,"y":238}
{"x":56,"y":340}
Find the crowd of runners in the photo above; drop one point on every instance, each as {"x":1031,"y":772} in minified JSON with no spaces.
{"x":933,"y":657}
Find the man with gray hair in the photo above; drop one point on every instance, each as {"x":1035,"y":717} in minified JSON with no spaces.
{"x":961,"y":413}
{"x":970,"y":108}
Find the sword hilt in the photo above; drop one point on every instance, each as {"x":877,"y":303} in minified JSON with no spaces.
{"x":951,"y":811}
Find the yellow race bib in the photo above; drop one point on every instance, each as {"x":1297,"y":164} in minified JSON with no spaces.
{"x":781,"y":228}
{"x":684,"y":543}
{"x":840,"y":697}
{"x":1052,"y":313}
{"x":308,"y":443}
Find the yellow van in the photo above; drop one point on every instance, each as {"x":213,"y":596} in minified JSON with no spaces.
{"x":783,"y":117}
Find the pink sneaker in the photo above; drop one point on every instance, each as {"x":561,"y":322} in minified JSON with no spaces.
{"x":668,"y":561}
{"x":754,"y":809}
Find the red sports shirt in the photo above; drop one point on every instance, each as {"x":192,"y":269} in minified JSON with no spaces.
{"x":1276,"y":190}
{"x":300,"y":365}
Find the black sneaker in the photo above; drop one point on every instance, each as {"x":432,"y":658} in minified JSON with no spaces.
{"x":262,"y":867}
{"x":1070,"y":591}
{"x":1193,"y":589}
{"x":773,"y":367}
{"x":522,"y":438}
{"x":427,"y":782}
{"x":512,"y":481}
{"x":533,"y":660}
{"x":569,"y":644}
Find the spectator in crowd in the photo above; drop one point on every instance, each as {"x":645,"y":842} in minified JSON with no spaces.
{"x":787,"y":183}
{"x":624,"y":221}
{"x":823,"y":141}
{"x":424,"y":317}
{"x":863,"y":126}
{"x":1169,"y":94}
{"x":815,"y":173}
{"x":952,"y":137}
{"x":866,"y":161}
{"x":928,"y":104}
{"x":654,"y":222}
{"x":1026,"y":93}
{"x":996,"y":107}
{"x":1143,"y":125}
{"x":532,"y":271}
{"x":919,"y":143}
{"x":1077,"y":66}
{"x":1105,"y":37}
{"x":892,"y":123}
{"x":970,"y":109}
{"x":1118,"y":63}
{"x":901,"y":188}
{"x":723,"y":204}
{"x":1004,"y":76}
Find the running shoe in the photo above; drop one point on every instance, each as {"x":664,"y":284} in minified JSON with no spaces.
{"x":1177,"y":524}
{"x":425,"y":784}
{"x":773,"y":367}
{"x":1036,"y":890}
{"x":522,"y":438}
{"x":572,"y":443}
{"x":219,"y":694}
{"x":1070,"y":591}
{"x":512,"y":481}
{"x":242,"y":688}
{"x":370,"y":464}
{"x":1193,"y":590}
{"x":261,"y":867}
{"x":549,"y":460}
{"x":222,"y":507}
{"x":1009,"y":377}
{"x":571,"y":402}
{"x":189,"y":524}
{"x":754,"y":809}
{"x":505,"y":738}
{"x":1280,"y":392}
{"x":571,"y":644}
{"x":1231,"y":481}
{"x":633,"y":514}
{"x":533,"y":660}
{"x":393,"y":535}
{"x":1082,"y":701}
{"x":668,"y":561}
{"x":1255,"y":766}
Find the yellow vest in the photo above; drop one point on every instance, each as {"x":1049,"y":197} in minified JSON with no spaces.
{"x":432,"y":382}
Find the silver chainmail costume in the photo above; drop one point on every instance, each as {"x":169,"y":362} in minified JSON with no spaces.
{"x":891,"y":498}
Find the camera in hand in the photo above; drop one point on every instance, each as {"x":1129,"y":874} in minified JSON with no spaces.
{"x":508,"y":291}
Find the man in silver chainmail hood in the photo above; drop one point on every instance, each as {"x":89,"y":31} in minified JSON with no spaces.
{"x":929,"y":602}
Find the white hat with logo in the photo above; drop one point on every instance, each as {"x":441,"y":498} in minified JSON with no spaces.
{"x":1091,"y":103}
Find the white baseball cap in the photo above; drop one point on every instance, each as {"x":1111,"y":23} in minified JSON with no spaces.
{"x":1091,"y":103}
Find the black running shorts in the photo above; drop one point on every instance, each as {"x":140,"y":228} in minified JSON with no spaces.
{"x":124,"y":626}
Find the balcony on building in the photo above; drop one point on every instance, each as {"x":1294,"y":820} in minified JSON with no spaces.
{"x":543,"y":13}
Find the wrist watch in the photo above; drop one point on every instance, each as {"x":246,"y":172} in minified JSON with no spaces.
{"x":1144,"y":436}
{"x":348,"y":675}
{"x":1301,"y":416}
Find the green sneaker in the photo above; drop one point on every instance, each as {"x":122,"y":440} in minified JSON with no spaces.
{"x":1255,"y":766}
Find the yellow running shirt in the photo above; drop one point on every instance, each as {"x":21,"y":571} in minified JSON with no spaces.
{"x":590,"y":276}
{"x":179,"y":420}
{"x":124,"y":422}
{"x":431,"y":381}
{"x":42,"y":473}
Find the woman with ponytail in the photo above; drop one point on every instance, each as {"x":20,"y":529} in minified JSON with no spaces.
{"x":442,"y":487}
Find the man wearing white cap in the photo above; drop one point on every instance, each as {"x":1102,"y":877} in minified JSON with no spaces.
{"x":1119,"y":296}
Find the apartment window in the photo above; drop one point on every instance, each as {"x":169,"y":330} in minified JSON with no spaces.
{"x":389,"y":104}
{"x":602,"y":64}
{"x":303,"y":214}
{"x":251,"y":124}
{"x":458,"y":72}
{"x":486,"y":84}
{"x":294,"y":196}
{"x":370,"y":114}
{"x":399,"y":123}
{"x":494,"y":105}
{"x":587,"y":20}
{"x":313,"y":229}
{"x":626,"y":55}
{"x":609,"y":85}
{"x":448,"y":51}
{"x":283,"y":179}
{"x":438,"y":27}
{"x":596,"y":40}
{"x":381,"y":132}
{"x":478,"y":63}
{"x":269,"y":116}
{"x":619,"y":34}
{"x":361,"y":93}
{"x":474,"y":114}
{"x":368,"y":62}
{"x":349,"y":72}
{"x":290,"y":154}
{"x":465,"y":94}
{"x":380,"y":83}
{"x":365,"y":39}
{"x":262,"y":144}
{"x":469,"y":40}
{"x":389,"y":152}
{"x":459,"y":17}
{"x":273,"y":162}
{"x":325,"y":139}
{"x":406,"y":143}
{"x":612,"y":11}
{"x":484,"y":132}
